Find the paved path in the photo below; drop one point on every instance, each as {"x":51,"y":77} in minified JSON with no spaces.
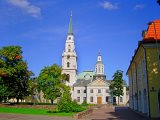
{"x":30,"y":117}
{"x":109,"y":113}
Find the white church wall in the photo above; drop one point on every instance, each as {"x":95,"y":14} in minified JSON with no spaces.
{"x":96,"y":94}
{"x":79,"y":92}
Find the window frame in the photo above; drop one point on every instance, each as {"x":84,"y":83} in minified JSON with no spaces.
{"x":91,"y":99}
{"x":91,"y":90}
{"x":78,"y":91}
{"x":78,"y":99}
{"x":99,"y":91}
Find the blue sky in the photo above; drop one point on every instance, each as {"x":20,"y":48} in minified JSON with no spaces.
{"x":40,"y":27}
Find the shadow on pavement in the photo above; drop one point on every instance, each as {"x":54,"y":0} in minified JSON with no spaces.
{"x":123,"y":113}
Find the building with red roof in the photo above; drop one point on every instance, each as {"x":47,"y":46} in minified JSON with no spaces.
{"x":144,"y":73}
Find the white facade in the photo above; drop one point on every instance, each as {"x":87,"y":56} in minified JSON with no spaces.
{"x":96,"y":92}
{"x":91,"y":92}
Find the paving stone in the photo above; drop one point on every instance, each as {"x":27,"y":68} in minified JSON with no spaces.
{"x":114,"y":113}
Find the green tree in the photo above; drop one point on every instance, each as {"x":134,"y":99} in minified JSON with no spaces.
{"x":52,"y":82}
{"x":116,"y":86}
{"x":14,"y":73}
{"x":3,"y":91}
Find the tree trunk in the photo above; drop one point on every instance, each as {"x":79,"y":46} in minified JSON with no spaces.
{"x":51,"y":102}
{"x":17,"y":100}
{"x":0,"y":99}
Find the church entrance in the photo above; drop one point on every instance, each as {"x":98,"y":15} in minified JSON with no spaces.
{"x":99,"y":100}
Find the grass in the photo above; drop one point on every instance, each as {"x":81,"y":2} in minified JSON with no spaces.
{"x":32,"y":111}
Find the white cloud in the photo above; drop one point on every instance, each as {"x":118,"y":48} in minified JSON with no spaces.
{"x":109,"y":6}
{"x":26,"y":6}
{"x":138,"y":6}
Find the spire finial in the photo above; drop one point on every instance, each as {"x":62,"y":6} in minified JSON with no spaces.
{"x":99,"y":52}
{"x":70,"y":30}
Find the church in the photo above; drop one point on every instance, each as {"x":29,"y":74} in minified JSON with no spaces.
{"x":90,"y":86}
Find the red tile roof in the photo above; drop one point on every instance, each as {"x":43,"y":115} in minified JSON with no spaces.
{"x":153,"y":32}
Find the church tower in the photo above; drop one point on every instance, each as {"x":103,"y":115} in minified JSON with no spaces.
{"x":69,"y":56}
{"x":99,"y":68}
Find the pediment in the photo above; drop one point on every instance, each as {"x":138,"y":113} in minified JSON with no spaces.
{"x":98,"y":82}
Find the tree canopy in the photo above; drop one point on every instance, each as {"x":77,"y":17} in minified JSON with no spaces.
{"x":52,"y":82}
{"x":116,"y":86}
{"x":14,"y":73}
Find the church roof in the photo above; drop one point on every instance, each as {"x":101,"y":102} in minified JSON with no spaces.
{"x":86,"y":75}
{"x":70,"y":30}
{"x":153,"y":31}
{"x":83,"y":83}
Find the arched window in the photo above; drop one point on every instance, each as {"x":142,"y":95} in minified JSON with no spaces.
{"x":69,"y":48}
{"x":68,"y":76}
{"x":68,"y":64}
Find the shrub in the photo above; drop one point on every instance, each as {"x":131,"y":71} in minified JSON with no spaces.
{"x":84,"y":103}
{"x":67,"y":105}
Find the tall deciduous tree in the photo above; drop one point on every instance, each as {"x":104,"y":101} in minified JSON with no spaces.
{"x":52,"y":82}
{"x":14,"y":73}
{"x":116,"y":86}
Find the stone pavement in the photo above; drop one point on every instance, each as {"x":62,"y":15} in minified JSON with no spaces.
{"x":111,"y":113}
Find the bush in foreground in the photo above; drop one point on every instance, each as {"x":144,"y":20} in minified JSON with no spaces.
{"x":85,"y":103}
{"x":67,"y":105}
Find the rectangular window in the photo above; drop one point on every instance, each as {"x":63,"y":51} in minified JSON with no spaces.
{"x":78,"y":91}
{"x":84,"y":99}
{"x":84,"y":91}
{"x":91,"y":99}
{"x":121,"y":99}
{"x":107,"y":98}
{"x":91,"y":91}
{"x":99,"y":90}
{"x":78,"y":99}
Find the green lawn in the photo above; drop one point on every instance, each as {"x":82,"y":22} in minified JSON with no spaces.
{"x":32,"y":111}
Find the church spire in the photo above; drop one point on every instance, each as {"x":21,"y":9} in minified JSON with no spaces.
{"x":70,"y":30}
